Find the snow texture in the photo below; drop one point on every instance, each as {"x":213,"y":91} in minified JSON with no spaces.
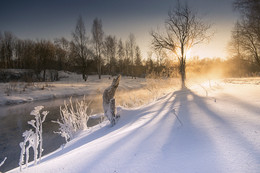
{"x":217,"y":131}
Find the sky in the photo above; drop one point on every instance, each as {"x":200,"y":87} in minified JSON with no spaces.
{"x":49,"y":19}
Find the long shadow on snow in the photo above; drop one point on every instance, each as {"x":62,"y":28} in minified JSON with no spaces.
{"x":127,"y":118}
{"x":189,"y":147}
{"x":174,"y":143}
{"x":227,"y":127}
{"x":168,"y":148}
{"x":131,"y":138}
{"x":241,"y":103}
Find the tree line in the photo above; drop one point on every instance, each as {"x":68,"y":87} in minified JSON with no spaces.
{"x":98,"y":54}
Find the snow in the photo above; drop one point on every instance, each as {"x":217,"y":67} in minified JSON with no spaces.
{"x":71,"y":84}
{"x":217,"y":131}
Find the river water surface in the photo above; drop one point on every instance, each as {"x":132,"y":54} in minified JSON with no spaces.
{"x":13,"y":122}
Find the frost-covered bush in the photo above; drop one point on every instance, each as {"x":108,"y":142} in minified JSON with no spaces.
{"x":29,"y":142}
{"x":74,"y":118}
{"x":33,"y":139}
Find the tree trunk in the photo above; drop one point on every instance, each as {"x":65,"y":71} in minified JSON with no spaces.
{"x":112,"y":111}
{"x":44,"y":75}
{"x":183,"y":72}
{"x":99,"y":68}
{"x":109,"y":101}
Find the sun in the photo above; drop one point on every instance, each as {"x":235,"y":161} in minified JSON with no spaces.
{"x":188,"y":54}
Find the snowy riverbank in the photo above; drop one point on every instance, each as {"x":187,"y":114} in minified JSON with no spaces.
{"x":70,"y":84}
{"x":217,"y":131}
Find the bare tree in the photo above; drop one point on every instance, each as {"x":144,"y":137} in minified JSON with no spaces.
{"x":250,"y":44}
{"x":110,"y":51}
{"x":25,"y":52}
{"x":127,"y":60}
{"x":149,"y":63}
{"x":61,"y":51}
{"x":45,"y":53}
{"x":234,"y":46}
{"x":79,"y":44}
{"x":7,"y":49}
{"x":131,"y":52}
{"x":120,"y":55}
{"x":138,"y":59}
{"x":235,"y":49}
{"x":138,"y":62}
{"x":184,"y":29}
{"x":160,"y":56}
{"x":1,"y":50}
{"x":248,"y":8}
{"x":97,"y":39}
{"x":248,"y":29}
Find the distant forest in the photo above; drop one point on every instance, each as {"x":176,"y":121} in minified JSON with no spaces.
{"x":103,"y":54}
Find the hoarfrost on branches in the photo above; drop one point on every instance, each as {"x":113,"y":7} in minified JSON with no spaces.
{"x":73,"y":118}
{"x":33,"y":139}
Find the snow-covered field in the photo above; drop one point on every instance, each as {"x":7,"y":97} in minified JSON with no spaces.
{"x":212,"y":127}
{"x":72,"y":84}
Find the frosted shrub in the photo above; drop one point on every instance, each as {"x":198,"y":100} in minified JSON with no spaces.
{"x":73,"y":118}
{"x":29,"y":140}
{"x":33,"y":139}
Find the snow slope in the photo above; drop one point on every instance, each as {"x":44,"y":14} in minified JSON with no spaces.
{"x":218,"y":131}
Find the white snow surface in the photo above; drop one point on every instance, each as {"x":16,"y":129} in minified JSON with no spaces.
{"x":218,"y":131}
{"x":70,"y":84}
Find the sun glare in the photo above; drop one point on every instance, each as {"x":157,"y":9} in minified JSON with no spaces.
{"x":188,"y":54}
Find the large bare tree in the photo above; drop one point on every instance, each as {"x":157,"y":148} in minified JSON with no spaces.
{"x":183,"y":30}
{"x":97,"y":38}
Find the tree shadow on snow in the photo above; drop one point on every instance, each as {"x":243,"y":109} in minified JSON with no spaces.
{"x":202,"y":144}
{"x":157,"y":133}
